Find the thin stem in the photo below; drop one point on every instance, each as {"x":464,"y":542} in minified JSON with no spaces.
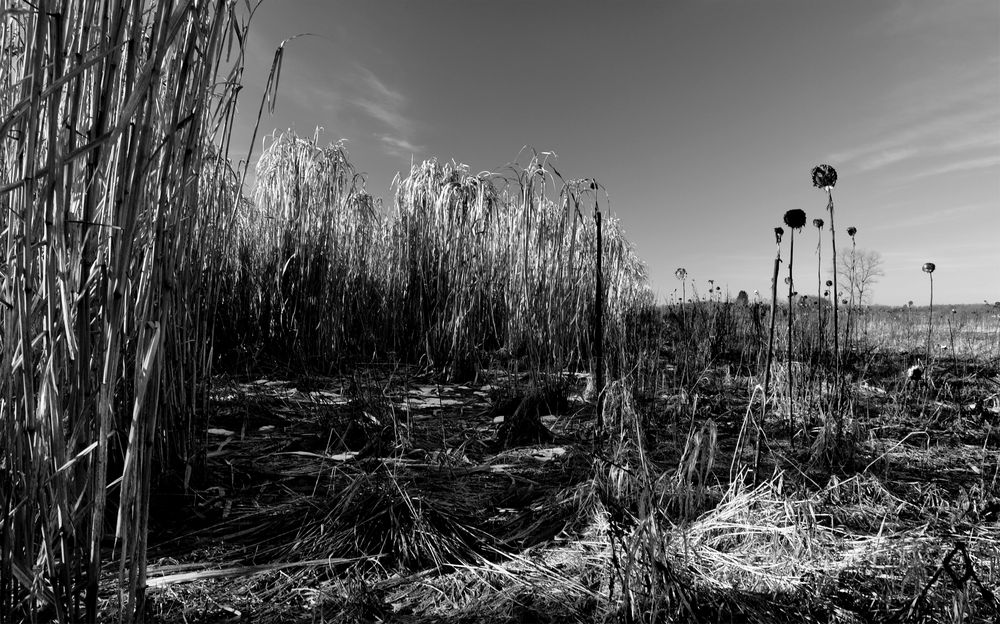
{"x":767,"y":365}
{"x":819,"y":290}
{"x":791,"y":258}
{"x":930,"y":318}
{"x":599,"y":325}
{"x":836,"y":295}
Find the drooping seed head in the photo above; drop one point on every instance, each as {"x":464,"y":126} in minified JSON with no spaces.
{"x":929,"y":267}
{"x":795,"y":218}
{"x":778,"y":233}
{"x":851,"y":231}
{"x":818,"y":223}
{"x":680,"y":273}
{"x":824,"y":177}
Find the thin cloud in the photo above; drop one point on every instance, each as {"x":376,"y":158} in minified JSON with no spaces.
{"x":360,"y":103}
{"x":942,"y":133}
{"x":940,"y":116}
{"x":398,"y":147}
{"x":961,"y":166}
{"x":884,"y":158}
{"x":386,"y":105}
{"x":940,"y":215}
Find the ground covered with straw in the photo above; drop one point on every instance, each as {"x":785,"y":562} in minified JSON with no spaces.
{"x":389,"y":494}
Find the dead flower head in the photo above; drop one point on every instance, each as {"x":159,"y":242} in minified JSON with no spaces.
{"x":795,"y":218}
{"x":824,"y":176}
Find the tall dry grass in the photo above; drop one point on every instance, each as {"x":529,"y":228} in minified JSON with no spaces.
{"x":460,"y":266}
{"x":109,"y":200}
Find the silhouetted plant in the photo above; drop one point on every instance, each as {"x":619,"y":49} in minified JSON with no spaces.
{"x":681,"y":274}
{"x":778,"y":233}
{"x":795,"y":219}
{"x":928,"y":268}
{"x":848,"y":333}
{"x":818,"y":223}
{"x":825,"y":177}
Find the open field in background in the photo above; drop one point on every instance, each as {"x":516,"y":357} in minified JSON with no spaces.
{"x":971,"y":331}
{"x":302,"y":405}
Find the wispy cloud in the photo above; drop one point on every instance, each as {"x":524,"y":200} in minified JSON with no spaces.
{"x":967,"y":164}
{"x":940,"y":215}
{"x":950,"y":114}
{"x":357,"y":103}
{"x":386,"y":106}
{"x":876,"y":159}
{"x":916,"y":132}
{"x":399,"y":147}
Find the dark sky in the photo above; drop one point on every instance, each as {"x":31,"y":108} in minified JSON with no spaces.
{"x":701,"y":118}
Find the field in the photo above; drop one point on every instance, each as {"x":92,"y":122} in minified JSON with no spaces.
{"x":389,"y":493}
{"x":295,"y":403}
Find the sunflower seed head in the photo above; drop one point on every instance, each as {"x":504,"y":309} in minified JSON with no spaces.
{"x":818,"y":223}
{"x":824,"y":176}
{"x":795,"y":218}
{"x":929,"y":267}
{"x":778,"y":233}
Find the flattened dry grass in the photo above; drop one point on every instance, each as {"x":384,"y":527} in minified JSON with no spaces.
{"x":545,"y":534}
{"x":376,"y":516}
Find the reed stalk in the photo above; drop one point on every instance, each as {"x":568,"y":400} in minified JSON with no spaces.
{"x":109,"y":209}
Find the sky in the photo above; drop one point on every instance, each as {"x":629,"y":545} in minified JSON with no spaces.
{"x":701,"y":118}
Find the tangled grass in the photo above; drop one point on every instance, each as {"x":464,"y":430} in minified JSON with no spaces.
{"x":462,"y":265}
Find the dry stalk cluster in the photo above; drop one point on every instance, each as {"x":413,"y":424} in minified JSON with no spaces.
{"x":111,"y":198}
{"x":461,"y":266}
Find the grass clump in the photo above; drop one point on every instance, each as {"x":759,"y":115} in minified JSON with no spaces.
{"x":463,"y":265}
